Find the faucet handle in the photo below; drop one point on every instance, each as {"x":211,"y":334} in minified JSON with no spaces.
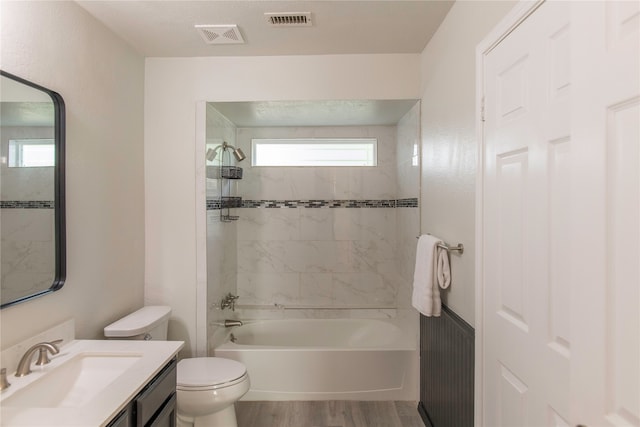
{"x":229,"y":300}
{"x":4,"y":384}
{"x":56,"y":343}
{"x":43,"y":356}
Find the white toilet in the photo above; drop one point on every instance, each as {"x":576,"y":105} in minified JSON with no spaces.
{"x":207,"y":387}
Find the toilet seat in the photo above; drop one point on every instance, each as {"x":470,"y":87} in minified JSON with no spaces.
{"x":209,"y":373}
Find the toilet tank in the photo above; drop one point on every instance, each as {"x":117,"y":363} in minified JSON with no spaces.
{"x":148,"y":323}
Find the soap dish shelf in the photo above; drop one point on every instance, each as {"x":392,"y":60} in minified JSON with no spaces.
{"x":231,"y":172}
{"x":224,"y":172}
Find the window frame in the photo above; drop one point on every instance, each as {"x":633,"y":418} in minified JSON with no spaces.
{"x":311,"y":141}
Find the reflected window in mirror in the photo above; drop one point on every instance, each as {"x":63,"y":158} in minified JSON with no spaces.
{"x":31,"y":153}
{"x":32,"y":220}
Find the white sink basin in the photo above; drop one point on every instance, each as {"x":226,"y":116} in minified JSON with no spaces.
{"x":75,"y":382}
{"x":87,"y":384}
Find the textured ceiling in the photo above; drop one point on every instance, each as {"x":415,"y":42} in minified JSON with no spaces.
{"x":166,"y":28}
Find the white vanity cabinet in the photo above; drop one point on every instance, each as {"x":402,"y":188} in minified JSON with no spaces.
{"x":155,"y":405}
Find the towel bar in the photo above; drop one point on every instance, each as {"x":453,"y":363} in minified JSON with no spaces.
{"x":459,"y":248}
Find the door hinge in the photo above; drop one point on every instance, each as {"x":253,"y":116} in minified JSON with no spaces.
{"x":482,"y":109}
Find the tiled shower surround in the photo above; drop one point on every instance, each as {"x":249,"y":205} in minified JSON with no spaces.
{"x":317,"y":257}
{"x":323,"y":241}
{"x":27,"y":225}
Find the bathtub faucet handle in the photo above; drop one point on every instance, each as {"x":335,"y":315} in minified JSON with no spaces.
{"x":229,"y":301}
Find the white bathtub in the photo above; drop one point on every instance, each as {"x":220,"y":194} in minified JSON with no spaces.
{"x":325,"y":359}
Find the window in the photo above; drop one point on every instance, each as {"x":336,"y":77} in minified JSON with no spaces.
{"x":28,"y":153}
{"x":314,"y":152}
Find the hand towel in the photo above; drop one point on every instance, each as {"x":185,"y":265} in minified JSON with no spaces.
{"x":443,"y":271}
{"x":426,"y":297}
{"x":431,"y":273}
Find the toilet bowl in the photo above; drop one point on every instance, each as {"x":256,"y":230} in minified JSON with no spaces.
{"x":207,"y":387}
{"x":206,"y":390}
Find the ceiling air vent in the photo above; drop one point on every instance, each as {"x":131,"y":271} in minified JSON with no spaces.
{"x":289,"y":19}
{"x":220,"y":34}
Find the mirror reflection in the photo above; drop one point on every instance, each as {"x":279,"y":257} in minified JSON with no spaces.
{"x":31,"y":196}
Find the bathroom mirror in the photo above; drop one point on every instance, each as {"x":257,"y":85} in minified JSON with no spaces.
{"x":32,"y":226}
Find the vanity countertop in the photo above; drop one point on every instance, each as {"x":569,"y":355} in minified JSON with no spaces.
{"x":145,"y":359}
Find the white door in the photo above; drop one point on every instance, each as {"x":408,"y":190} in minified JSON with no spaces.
{"x":553,"y":217}
{"x":526,"y":223}
{"x":605,"y":386}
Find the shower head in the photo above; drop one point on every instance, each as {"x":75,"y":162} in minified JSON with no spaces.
{"x":211,"y":153}
{"x":237,"y":153}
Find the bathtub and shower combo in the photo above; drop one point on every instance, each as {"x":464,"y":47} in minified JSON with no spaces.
{"x":325,"y":359}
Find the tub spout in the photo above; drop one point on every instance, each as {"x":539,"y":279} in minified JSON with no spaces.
{"x":228,"y":323}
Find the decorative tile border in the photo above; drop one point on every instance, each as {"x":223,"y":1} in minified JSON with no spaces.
{"x":27,"y":204}
{"x":226,"y":202}
{"x":319,"y":204}
{"x":214,"y":204}
{"x":407,"y":203}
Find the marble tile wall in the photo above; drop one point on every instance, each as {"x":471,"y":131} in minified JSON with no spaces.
{"x":321,"y":183}
{"x":26,"y":246}
{"x":26,"y":220}
{"x":319,"y":257}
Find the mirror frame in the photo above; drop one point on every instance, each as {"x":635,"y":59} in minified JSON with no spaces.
{"x":59,"y":191}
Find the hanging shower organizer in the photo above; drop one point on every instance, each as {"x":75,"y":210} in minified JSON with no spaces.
{"x":228,"y":174}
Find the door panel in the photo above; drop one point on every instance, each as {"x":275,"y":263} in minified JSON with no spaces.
{"x":528,"y":153}
{"x":605,"y":384}
{"x":561,"y":218}
{"x":559,"y":260}
{"x":622,"y":318}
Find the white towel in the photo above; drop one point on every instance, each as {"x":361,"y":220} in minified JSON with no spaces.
{"x":443,"y":271}
{"x":431,"y":273}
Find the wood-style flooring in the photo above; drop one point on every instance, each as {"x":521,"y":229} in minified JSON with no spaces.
{"x":328,"y":413}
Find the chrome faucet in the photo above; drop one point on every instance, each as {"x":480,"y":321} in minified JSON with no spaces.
{"x":229,"y":301}
{"x":24,"y":366}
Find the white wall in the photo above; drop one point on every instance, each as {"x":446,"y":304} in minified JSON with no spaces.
{"x":173,"y":86}
{"x":449,"y":140}
{"x":58,"y":45}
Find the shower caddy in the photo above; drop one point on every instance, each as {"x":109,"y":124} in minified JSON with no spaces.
{"x":228,"y":202}
{"x":225,"y":173}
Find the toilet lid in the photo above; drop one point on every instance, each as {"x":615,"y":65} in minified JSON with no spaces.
{"x":208,"y":371}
